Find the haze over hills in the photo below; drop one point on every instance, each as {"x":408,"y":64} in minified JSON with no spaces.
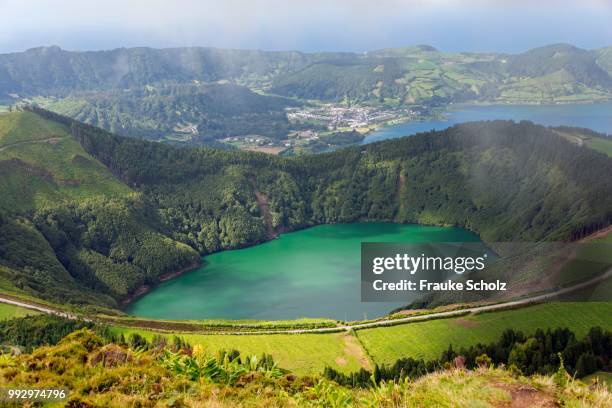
{"x":188,"y":190}
{"x":210,"y":93}
{"x":107,"y":214}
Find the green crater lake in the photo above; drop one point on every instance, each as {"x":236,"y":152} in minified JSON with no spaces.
{"x":310,"y":273}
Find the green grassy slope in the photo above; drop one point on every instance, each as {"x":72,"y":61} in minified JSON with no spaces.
{"x":42,"y":164}
{"x":24,"y":126}
{"x":301,"y":353}
{"x":310,"y":353}
{"x":600,"y":377}
{"x":429,"y":339}
{"x":601,"y":145}
{"x":10,"y":311}
{"x":554,"y":73}
{"x":70,"y":231}
{"x":587,"y":137}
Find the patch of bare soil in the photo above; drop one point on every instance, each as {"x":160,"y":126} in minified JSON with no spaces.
{"x":599,"y":234}
{"x":275,"y":150}
{"x":525,"y":396}
{"x":262,"y":203}
{"x":465,"y":323}
{"x":353,"y":348}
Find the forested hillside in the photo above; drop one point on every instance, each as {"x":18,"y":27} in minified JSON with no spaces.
{"x":51,"y":70}
{"x":198,"y":94}
{"x":70,"y":232}
{"x":503,"y":180}
{"x":198,"y":113}
{"x":555,"y":73}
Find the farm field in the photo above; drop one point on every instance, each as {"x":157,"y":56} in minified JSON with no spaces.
{"x":300,"y":353}
{"x":311,"y":353}
{"x":428,"y":339}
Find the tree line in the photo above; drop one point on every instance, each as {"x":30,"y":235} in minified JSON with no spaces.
{"x":542,"y":352}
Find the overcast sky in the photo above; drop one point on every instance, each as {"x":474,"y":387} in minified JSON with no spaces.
{"x":313,"y":25}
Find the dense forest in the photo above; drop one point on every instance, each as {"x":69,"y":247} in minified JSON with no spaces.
{"x":101,"y":87}
{"x":543,"y":352}
{"x":198,"y":113}
{"x":503,"y":180}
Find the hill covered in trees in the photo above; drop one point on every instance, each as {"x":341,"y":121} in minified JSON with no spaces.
{"x":503,"y":180}
{"x":70,"y":232}
{"x":212,"y":93}
{"x":197,"y":113}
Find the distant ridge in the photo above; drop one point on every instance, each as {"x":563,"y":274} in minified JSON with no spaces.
{"x":198,"y":95}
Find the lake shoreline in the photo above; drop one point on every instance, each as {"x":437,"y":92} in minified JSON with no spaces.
{"x":590,"y":115}
{"x":329,"y":251}
{"x":145,"y":288}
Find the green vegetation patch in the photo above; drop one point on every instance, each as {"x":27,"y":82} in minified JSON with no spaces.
{"x":600,"y":377}
{"x":114,"y":375}
{"x":429,"y":339}
{"x":19,"y":127}
{"x":601,"y":145}
{"x":11,"y":311}
{"x":300,"y":353}
{"x":41,"y":163}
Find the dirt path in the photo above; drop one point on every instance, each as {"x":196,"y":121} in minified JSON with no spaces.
{"x":264,"y":208}
{"x":599,"y":234}
{"x":353,"y":348}
{"x":524,"y":396}
{"x":51,"y":140}
{"x":39,"y":308}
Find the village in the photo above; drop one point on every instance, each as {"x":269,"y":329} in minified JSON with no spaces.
{"x":340,"y":116}
{"x":319,"y":125}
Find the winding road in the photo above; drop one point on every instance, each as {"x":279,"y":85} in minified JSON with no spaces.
{"x":52,"y":140}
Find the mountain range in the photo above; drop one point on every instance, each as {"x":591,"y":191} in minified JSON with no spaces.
{"x":210,"y":93}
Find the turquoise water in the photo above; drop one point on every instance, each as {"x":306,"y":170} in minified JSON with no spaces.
{"x":597,"y":117}
{"x":309,"y":273}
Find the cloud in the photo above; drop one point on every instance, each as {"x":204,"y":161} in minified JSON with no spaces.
{"x":307,"y":25}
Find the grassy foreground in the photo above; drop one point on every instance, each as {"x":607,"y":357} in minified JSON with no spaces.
{"x":601,"y":377}
{"x":110,"y":375}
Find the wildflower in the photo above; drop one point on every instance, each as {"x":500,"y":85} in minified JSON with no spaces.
{"x":198,"y":351}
